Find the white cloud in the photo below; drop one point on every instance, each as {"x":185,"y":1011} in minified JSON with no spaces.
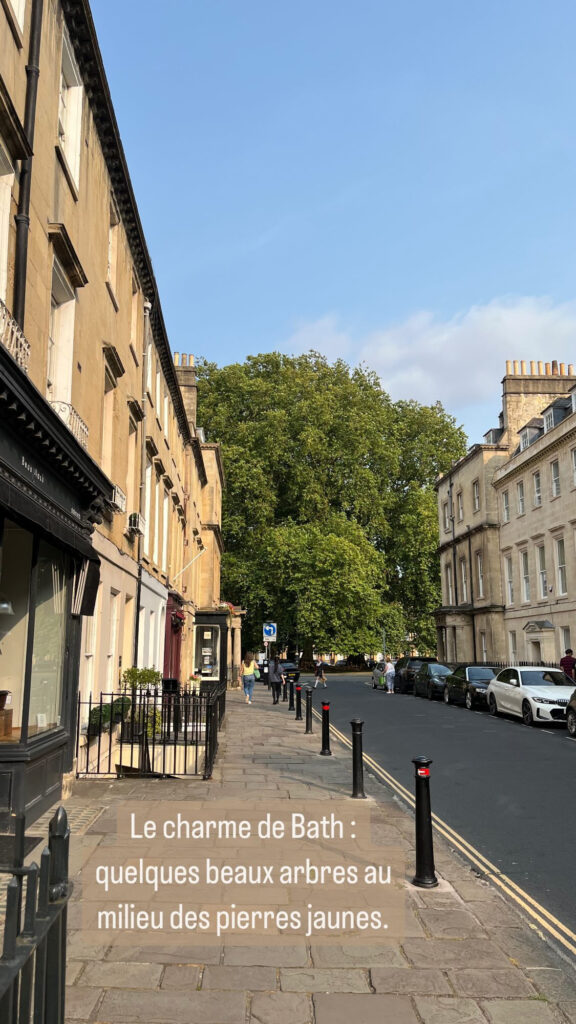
{"x":460,"y":360}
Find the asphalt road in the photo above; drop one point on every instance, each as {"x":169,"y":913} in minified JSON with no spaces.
{"x":509,"y":790}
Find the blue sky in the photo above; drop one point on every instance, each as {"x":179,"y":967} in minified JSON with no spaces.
{"x":394,"y":183}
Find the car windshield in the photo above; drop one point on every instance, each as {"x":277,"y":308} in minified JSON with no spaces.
{"x":476,"y":674}
{"x":545,"y":677}
{"x":439,"y":670}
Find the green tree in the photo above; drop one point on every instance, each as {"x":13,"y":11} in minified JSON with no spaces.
{"x":327,"y":513}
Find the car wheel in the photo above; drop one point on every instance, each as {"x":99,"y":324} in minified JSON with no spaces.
{"x":446,"y":695}
{"x":527,"y":715}
{"x":469,"y":700}
{"x":571,"y":722}
{"x":492,"y":705}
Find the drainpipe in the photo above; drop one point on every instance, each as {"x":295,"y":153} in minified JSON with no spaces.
{"x":23,"y":215}
{"x":142,"y":488}
{"x":474,"y":652}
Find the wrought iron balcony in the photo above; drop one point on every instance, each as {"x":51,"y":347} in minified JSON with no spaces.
{"x":12,"y":337}
{"x":73,"y":421}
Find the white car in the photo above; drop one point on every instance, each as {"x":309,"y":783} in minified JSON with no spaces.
{"x":534,"y":693}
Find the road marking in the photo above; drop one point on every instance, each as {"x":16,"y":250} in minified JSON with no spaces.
{"x":551,"y":924}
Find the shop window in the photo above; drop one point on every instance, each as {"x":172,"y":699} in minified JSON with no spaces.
{"x":16,"y":565}
{"x":207,"y":657}
{"x":49,"y":641}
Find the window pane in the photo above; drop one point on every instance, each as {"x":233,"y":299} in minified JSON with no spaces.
{"x":16,"y":564}
{"x":48,"y":652}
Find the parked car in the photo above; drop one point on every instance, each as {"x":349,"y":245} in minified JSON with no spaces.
{"x":571,"y":715}
{"x":536,"y":693}
{"x":468,"y":684}
{"x":406,"y":669}
{"x":291,"y":670}
{"x":430,"y":679}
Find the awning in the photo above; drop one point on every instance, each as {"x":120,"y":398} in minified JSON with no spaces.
{"x":26,"y":508}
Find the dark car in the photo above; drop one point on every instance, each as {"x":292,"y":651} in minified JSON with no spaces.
{"x":468,"y":684}
{"x":430,"y":679}
{"x":406,"y":669}
{"x":290,"y":669}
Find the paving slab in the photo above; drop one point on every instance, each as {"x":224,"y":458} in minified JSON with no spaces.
{"x":121,"y":975}
{"x":373,"y":1009}
{"x":472,"y":982}
{"x":448,"y":1011}
{"x":346,"y":979}
{"x":281,"y":1008}
{"x":253,"y":979}
{"x":185,"y":1007}
{"x":410,"y":980}
{"x":519,"y":1011}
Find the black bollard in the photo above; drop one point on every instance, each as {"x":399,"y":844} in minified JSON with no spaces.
{"x":357,"y":762}
{"x":326,"y":752}
{"x":284,"y":689}
{"x":308,"y":710}
{"x":291,"y":704}
{"x":425,"y":876}
{"x":298,"y":716}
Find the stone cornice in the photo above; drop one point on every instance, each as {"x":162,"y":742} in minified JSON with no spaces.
{"x":528,"y":458}
{"x":454,"y":542}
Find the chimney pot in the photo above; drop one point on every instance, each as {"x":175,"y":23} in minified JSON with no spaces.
{"x":541,"y":369}
{"x":570,"y":369}
{"x":516,"y":367}
{"x":508,"y":367}
{"x":555,"y":367}
{"x":548,"y":369}
{"x":533,"y":367}
{"x":176,"y":359}
{"x":562,"y":370}
{"x":523,"y":367}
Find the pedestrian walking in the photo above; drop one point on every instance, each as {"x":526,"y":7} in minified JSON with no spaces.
{"x":389,"y":672}
{"x":568,"y":663}
{"x":248,"y":675}
{"x":320,"y":674}
{"x":276,"y":678}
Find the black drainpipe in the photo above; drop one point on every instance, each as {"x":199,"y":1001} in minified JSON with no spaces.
{"x":23,"y":215}
{"x":474,"y":651}
{"x":146,"y":348}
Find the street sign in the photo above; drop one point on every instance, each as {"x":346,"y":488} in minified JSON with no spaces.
{"x":270,"y":631}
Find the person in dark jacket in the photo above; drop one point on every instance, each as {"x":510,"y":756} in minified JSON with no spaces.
{"x":276,"y":678}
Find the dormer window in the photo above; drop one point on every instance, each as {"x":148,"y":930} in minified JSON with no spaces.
{"x":524,"y":440}
{"x":548,"y":421}
{"x":573,"y":401}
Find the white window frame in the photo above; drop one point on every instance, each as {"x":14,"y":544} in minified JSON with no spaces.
{"x":60,"y":350}
{"x":19,"y":10}
{"x":480,"y":573}
{"x":505,"y":507}
{"x":512,"y":646}
{"x":548,"y":421}
{"x":483,"y":647}
{"x":476,"y":495}
{"x":542,"y":571}
{"x":6,"y":185}
{"x":147,"y":504}
{"x":70,"y":108}
{"x":566,"y":642}
{"x":573,"y":456}
{"x":537,"y":488}
{"x":561,"y":577}
{"x":525,"y":575}
{"x":460,"y":505}
{"x":464,"y":581}
{"x":509,"y":574}
{"x":449,"y":585}
{"x":446,"y":517}
{"x":524,"y":440}
{"x":555,"y":478}
{"x":520,"y":498}
{"x":165,"y":521}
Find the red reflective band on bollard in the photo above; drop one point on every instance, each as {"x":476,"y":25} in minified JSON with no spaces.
{"x":424,"y":771}
{"x":325,"y":707}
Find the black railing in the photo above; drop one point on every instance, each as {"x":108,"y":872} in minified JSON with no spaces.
{"x":33,"y":961}
{"x":150,"y":732}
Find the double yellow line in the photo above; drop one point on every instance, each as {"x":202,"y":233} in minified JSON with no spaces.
{"x":550,"y":924}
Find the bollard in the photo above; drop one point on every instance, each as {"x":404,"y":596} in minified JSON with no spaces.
{"x":298,"y":716}
{"x":291,"y":704}
{"x":357,"y":762}
{"x":308,"y":710}
{"x":425,"y":876}
{"x":326,"y":752}
{"x":284,"y":689}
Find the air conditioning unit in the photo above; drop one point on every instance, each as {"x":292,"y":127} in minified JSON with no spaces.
{"x":118,"y":502}
{"x":136,"y":523}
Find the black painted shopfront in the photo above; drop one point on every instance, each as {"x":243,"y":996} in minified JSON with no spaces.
{"x":51,"y":494}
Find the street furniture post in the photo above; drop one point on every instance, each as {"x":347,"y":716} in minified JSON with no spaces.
{"x":326,"y":752}
{"x":357,"y":762}
{"x":308,"y":710}
{"x":425,"y":877}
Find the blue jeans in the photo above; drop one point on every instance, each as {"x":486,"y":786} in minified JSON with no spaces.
{"x":248,"y":682}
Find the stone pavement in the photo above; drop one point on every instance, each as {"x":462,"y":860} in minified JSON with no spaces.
{"x":467,"y":956}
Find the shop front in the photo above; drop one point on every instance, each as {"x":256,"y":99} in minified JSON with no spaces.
{"x":51,"y":493}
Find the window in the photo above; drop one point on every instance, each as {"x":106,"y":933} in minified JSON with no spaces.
{"x":147,"y":504}
{"x":112,"y":636}
{"x":165,"y":520}
{"x":460,"y":505}
{"x":134,"y":316}
{"x":476,"y":495}
{"x":19,"y":8}
{"x":156,"y":553}
{"x":49,"y":645}
{"x":131,"y":490}
{"x":573,"y":400}
{"x":483,"y":646}
{"x":70,"y":109}
{"x":520,"y":497}
{"x":113,"y":232}
{"x":6,"y":183}
{"x":512,"y":645}
{"x":480,"y":573}
{"x":573,"y":455}
{"x":449,"y":589}
{"x":555,"y":478}
{"x":166,"y":406}
{"x":464,"y":579}
{"x":525,"y":574}
{"x":509,"y":581}
{"x":561,"y":565}
{"x":548,"y":421}
{"x":566,"y":643}
{"x":149,"y":368}
{"x":505,"y":507}
{"x":446,"y":516}
{"x":537,"y":489}
{"x":541,"y":567}
{"x":60,"y":337}
{"x":524,"y":440}
{"x":108,"y":422}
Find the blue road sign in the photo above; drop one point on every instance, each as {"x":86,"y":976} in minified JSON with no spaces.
{"x":270,"y":631}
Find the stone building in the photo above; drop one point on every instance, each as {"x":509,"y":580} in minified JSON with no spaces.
{"x":109,"y":496}
{"x":507,"y":539}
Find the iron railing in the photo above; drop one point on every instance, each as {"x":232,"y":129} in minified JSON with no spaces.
{"x":33,"y":961}
{"x":12,"y":337}
{"x":73,"y":421}
{"x":150,"y":732}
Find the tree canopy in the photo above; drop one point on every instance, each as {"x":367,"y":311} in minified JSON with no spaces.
{"x":329,"y":511}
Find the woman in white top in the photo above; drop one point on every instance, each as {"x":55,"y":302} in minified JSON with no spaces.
{"x":389,"y":672}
